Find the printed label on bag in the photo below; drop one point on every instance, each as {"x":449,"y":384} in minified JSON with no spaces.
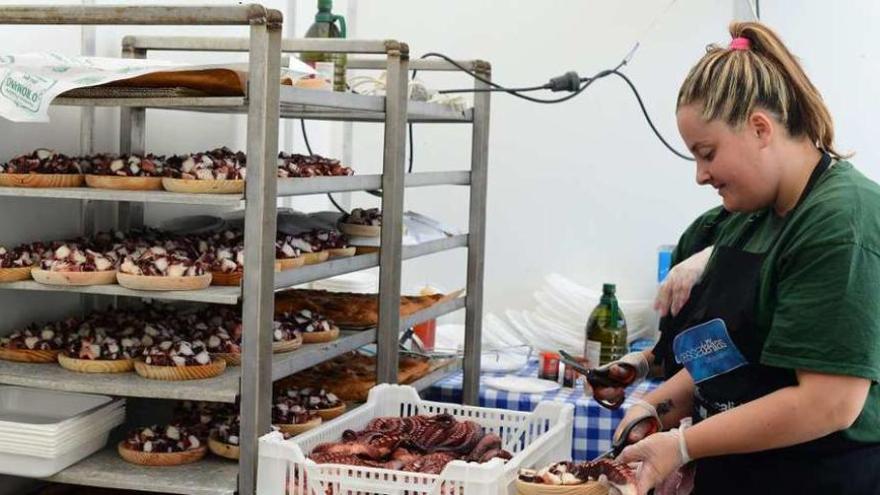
{"x":707,"y":350}
{"x":25,"y":90}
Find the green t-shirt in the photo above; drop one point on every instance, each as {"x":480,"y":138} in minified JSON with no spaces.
{"x":819,"y":296}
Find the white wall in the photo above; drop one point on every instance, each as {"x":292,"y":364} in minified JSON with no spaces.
{"x":582,"y":188}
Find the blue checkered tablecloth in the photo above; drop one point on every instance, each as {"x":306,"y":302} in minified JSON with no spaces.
{"x":593,"y":424}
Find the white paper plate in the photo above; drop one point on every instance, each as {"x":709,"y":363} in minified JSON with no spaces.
{"x":522,"y":384}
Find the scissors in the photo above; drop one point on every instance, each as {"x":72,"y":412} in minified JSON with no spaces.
{"x":602,"y":378}
{"x":651,"y":425}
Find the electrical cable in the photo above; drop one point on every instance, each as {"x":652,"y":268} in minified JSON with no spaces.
{"x":302,"y":125}
{"x":563,"y":83}
{"x":648,"y":117}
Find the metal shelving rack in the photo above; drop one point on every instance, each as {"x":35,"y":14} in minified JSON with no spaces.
{"x":265,"y":104}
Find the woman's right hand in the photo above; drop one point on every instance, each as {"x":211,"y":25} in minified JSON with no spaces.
{"x":675,"y":291}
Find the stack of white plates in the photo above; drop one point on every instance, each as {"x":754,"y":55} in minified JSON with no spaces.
{"x":559,"y":317}
{"x":364,"y":282}
{"x":43,"y":431}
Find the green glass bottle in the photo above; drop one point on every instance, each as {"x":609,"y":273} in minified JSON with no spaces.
{"x":605,"y":331}
{"x":329,"y":66}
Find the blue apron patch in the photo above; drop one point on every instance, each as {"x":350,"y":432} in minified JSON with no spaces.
{"x":707,"y":350}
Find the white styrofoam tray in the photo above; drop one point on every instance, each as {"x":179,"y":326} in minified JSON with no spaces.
{"x":48,"y":409}
{"x":67,"y":427}
{"x":38,"y":467}
{"x":54,"y":447}
{"x":534,"y":438}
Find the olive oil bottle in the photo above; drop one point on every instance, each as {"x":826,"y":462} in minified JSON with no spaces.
{"x":605,"y":331}
{"x":329,"y":66}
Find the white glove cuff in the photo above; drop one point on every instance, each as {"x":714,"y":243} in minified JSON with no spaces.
{"x":682,"y":446}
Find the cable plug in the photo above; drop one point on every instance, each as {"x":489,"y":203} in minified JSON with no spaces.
{"x":570,"y":81}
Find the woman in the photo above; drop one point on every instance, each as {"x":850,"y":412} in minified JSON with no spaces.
{"x":781,"y":336}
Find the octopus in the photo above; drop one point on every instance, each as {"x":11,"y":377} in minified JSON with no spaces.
{"x":619,"y":478}
{"x":422,"y":444}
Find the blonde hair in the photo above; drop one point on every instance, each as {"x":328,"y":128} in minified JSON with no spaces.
{"x":731,"y":83}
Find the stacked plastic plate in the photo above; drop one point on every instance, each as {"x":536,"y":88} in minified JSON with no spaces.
{"x":364,"y":282}
{"x":42,"y":431}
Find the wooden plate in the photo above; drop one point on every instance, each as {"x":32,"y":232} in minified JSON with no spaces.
{"x":143,"y":282}
{"x":367,"y":250}
{"x":28,"y":355}
{"x":124,"y":183}
{"x":41,"y":180}
{"x":161,"y":458}
{"x":315,"y":258}
{"x":333,"y":412}
{"x":287,"y":345}
{"x":318,"y":337}
{"x":222,"y":449}
{"x":176,"y":373}
{"x":48,"y":277}
{"x":588,"y":488}
{"x":296,"y":429}
{"x":232,"y":279}
{"x":289,"y":263}
{"x":343,"y":252}
{"x":95,"y":365}
{"x":361,"y":230}
{"x":198,"y":186}
{"x":15,"y":274}
{"x":231,"y":358}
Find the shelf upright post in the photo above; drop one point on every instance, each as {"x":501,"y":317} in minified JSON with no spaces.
{"x":132,"y":140}
{"x":393,"y":174}
{"x":259,"y":241}
{"x":476,"y":238}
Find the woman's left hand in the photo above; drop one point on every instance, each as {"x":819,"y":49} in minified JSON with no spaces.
{"x":659,"y":454}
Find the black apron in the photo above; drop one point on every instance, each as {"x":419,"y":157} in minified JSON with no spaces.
{"x":663,"y":355}
{"x":829,"y":465}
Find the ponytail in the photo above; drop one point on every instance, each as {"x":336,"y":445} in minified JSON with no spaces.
{"x":757,"y":70}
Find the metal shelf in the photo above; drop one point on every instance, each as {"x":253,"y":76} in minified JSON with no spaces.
{"x":370,"y":182}
{"x":212,"y":294}
{"x":295,"y":103}
{"x":224,"y":388}
{"x":311,"y":354}
{"x":232,"y":295}
{"x":432,"y":312}
{"x":210,"y":476}
{"x":51,"y":376}
{"x":291,"y":278}
{"x":226,"y":200}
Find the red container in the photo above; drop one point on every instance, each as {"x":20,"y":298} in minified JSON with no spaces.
{"x":426,"y":332}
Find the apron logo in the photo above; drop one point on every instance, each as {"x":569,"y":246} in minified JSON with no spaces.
{"x":709,"y":346}
{"x":707,"y":351}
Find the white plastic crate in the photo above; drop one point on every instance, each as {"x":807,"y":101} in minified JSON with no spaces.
{"x":535,"y":439}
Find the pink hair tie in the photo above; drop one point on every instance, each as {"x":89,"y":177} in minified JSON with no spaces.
{"x":740,"y":43}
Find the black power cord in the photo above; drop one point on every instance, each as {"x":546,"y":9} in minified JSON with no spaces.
{"x":570,"y":81}
{"x":302,"y":125}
